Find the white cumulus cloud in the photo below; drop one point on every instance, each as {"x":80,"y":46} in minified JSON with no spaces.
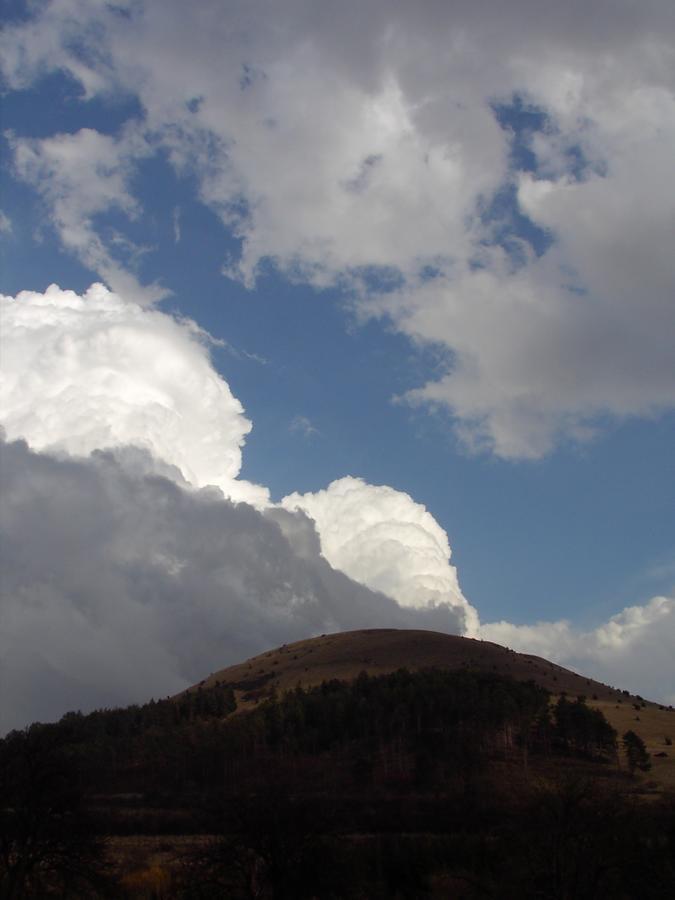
{"x":112,"y":537}
{"x":81,"y":373}
{"x":382,"y":538}
{"x":117,"y":517}
{"x":634,"y":649}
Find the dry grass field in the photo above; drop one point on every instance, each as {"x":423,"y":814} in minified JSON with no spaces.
{"x":378,"y":651}
{"x":655,"y":725}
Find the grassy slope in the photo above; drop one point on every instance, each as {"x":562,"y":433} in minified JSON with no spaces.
{"x":653,"y":724}
{"x":379,"y":651}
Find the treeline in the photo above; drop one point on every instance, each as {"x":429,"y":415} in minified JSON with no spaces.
{"x":424,"y":725}
{"x":456,"y":720}
{"x":413,"y":784}
{"x":133,"y":721}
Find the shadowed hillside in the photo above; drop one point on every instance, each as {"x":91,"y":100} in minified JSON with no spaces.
{"x":372,"y":764}
{"x":379,"y":651}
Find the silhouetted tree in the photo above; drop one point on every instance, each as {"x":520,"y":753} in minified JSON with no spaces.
{"x":636,"y":753}
{"x":45,"y":845}
{"x":582,"y":730}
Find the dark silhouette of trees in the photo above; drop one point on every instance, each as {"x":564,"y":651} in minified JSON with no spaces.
{"x":577,"y":839}
{"x":636,"y":753}
{"x":272,"y":846}
{"x":581,"y":729}
{"x":45,"y":843}
{"x":424,"y":727}
{"x":411,"y":784}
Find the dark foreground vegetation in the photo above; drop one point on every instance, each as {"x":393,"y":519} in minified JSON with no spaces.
{"x":426,"y":784}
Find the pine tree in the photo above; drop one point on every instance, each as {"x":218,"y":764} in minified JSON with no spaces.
{"x":636,"y":753}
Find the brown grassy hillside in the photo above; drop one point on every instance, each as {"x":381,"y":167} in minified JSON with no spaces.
{"x":379,"y":651}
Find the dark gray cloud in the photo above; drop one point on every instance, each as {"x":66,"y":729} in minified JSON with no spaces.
{"x":119,"y":584}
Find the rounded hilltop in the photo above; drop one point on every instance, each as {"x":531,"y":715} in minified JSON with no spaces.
{"x":381,"y":650}
{"x":378,"y":651}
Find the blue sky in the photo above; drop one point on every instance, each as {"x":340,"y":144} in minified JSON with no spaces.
{"x":479,"y":264}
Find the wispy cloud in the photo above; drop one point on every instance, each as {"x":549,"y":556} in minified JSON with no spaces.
{"x":5,"y":224}
{"x":175,"y":218}
{"x":82,"y":176}
{"x":662,"y":571}
{"x":303,"y":426}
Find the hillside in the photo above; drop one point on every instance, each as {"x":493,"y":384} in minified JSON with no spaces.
{"x":344,"y":655}
{"x":372,"y":764}
{"x":379,"y":651}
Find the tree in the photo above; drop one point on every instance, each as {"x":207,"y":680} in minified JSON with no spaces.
{"x":46,"y":846}
{"x":636,"y":753}
{"x":582,"y":729}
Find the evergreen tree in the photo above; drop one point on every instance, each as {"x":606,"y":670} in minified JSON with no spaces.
{"x":636,"y":753}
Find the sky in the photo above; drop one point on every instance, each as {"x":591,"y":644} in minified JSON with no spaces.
{"x":326,"y":316}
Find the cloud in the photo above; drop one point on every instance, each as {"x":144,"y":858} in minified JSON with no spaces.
{"x":85,"y":373}
{"x":382,"y":538}
{"x":82,"y":176}
{"x":119,"y":584}
{"x":137,"y":546}
{"x":634,"y":649}
{"x":303,"y":426}
{"x":535,"y":363}
{"x":358,"y":150}
{"x":116,"y":528}
{"x":351,"y":147}
{"x":93,"y":372}
{"x":5,"y":223}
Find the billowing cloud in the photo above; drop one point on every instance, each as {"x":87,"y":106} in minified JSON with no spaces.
{"x":133,"y":541}
{"x":92,"y":372}
{"x":127,"y":572}
{"x":634,"y":649}
{"x":82,"y":373}
{"x":382,"y":538}
{"x":130,"y":548}
{"x":487,"y":179}
{"x":376,"y":145}
{"x":119,"y":584}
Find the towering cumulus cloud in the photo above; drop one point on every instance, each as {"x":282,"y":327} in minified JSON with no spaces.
{"x":119,"y":584}
{"x":128,"y":569}
{"x":131,"y":566}
{"x":489,"y":180}
{"x":85,"y":373}
{"x":382,"y":538}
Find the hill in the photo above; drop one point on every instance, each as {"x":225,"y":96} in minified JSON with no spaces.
{"x":381,"y":650}
{"x":344,"y":655}
{"x":372,"y":764}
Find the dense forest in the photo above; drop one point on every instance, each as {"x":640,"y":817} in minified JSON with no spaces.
{"x":413,"y":784}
